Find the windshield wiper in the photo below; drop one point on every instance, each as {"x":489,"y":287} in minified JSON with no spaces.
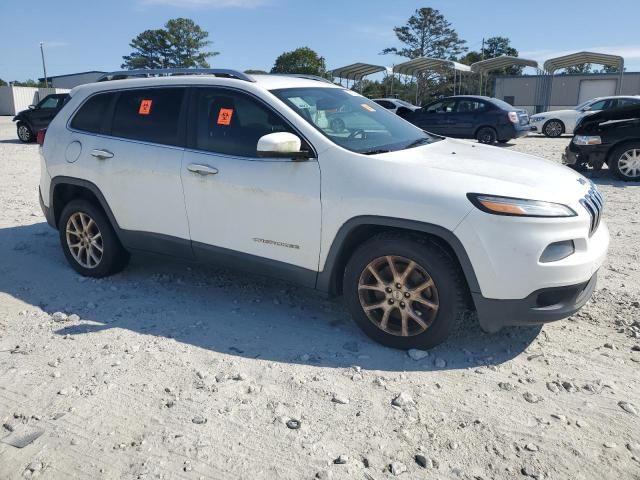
{"x":417,"y":143}
{"x":375,"y":152}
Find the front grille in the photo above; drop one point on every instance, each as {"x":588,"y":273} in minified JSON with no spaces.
{"x":594,"y":204}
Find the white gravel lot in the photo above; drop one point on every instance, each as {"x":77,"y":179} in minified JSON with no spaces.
{"x":178,"y":371}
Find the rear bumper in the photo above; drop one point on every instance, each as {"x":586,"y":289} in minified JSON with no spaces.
{"x":542,"y":306}
{"x":507,"y":132}
{"x":46,"y":210}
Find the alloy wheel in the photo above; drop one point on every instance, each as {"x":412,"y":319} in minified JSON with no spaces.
{"x":398,"y":296}
{"x":84,"y":240}
{"x":553,"y":129}
{"x":23,"y":133}
{"x":629,"y":163}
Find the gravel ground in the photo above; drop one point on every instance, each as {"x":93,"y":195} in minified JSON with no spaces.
{"x":180,"y":371}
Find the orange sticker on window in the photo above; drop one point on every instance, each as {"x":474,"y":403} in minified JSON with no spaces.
{"x":224,"y":117}
{"x":145,"y":107}
{"x":368,"y":108}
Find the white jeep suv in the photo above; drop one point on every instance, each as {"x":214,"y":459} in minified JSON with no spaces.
{"x":248,"y":171}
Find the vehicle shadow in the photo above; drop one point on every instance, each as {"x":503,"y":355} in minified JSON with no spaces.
{"x":14,"y":141}
{"x":606,"y":177}
{"x":221,"y":310}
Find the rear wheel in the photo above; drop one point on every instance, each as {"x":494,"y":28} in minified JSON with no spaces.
{"x":403,"y":292}
{"x":625,"y":162}
{"x":89,"y":241}
{"x":486,"y":135}
{"x":553,"y":128}
{"x":25,"y":134}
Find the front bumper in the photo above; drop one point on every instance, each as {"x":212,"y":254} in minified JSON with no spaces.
{"x":542,"y":306}
{"x":585,"y":154}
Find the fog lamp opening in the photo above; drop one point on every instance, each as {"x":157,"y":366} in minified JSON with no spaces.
{"x":557,"y":251}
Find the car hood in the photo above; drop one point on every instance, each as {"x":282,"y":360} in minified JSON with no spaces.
{"x":485,"y":169}
{"x":628,"y":112}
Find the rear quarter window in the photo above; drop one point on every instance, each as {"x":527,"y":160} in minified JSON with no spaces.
{"x":92,"y":113}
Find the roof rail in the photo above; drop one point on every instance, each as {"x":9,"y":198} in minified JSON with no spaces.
{"x":306,"y":76}
{"x":167,"y":72}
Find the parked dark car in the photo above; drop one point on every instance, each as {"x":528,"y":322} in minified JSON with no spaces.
{"x":465,"y":116}
{"x":39,"y":116}
{"x":611,"y":137}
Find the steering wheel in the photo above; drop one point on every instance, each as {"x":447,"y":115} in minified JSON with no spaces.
{"x":357,"y":132}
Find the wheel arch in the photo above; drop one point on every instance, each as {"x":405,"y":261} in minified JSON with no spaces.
{"x":617,"y":145}
{"x":65,"y":189}
{"x":485,"y":125}
{"x":359,"y":229}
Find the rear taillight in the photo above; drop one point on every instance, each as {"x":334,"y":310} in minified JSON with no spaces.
{"x":40,"y":136}
{"x":513,"y":116}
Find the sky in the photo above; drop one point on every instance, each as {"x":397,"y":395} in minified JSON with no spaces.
{"x":82,"y":35}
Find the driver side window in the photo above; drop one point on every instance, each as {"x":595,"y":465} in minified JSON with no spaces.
{"x":231,"y":123}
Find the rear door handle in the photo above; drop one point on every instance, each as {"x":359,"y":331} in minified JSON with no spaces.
{"x":101,"y":154}
{"x":202,"y":169}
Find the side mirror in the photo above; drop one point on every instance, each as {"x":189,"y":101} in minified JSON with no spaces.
{"x":281,"y":145}
{"x":586,"y":109}
{"x":32,"y":107}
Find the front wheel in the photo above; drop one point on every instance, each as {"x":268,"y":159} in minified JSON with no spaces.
{"x":486,"y":135}
{"x":625,"y":162}
{"x":553,"y":128}
{"x":25,"y":134}
{"x":403,"y":292}
{"x":89,"y":241}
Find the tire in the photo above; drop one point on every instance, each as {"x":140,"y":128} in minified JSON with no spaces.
{"x":553,"y":128}
{"x":77,"y":215}
{"x":502,"y":142}
{"x":25,"y":135}
{"x":624,"y":162}
{"x":486,"y":135}
{"x":431,"y":262}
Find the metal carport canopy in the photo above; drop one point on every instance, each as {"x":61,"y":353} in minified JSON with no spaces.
{"x":499,"y":63}
{"x":356,"y":71}
{"x":554,"y":64}
{"x":423,"y":64}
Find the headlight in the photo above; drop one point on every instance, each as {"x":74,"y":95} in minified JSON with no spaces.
{"x":537,"y":119}
{"x":587,"y":140}
{"x":519,"y":207}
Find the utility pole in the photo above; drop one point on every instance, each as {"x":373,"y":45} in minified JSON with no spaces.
{"x":44,"y":67}
{"x":482,"y":48}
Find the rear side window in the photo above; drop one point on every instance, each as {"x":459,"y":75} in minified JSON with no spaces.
{"x":92,"y":114}
{"x":149,"y":115}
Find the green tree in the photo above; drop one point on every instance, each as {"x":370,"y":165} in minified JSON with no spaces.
{"x":427,"y":33}
{"x":179,"y":44}
{"x":152,"y":49}
{"x":29,"y":83}
{"x":580,"y":68}
{"x":301,"y":60}
{"x":2,"y":83}
{"x":255,"y":71}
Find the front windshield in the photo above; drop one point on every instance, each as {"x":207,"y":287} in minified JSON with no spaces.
{"x":352,"y":121}
{"x":583,"y":104}
{"x":403,"y":103}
